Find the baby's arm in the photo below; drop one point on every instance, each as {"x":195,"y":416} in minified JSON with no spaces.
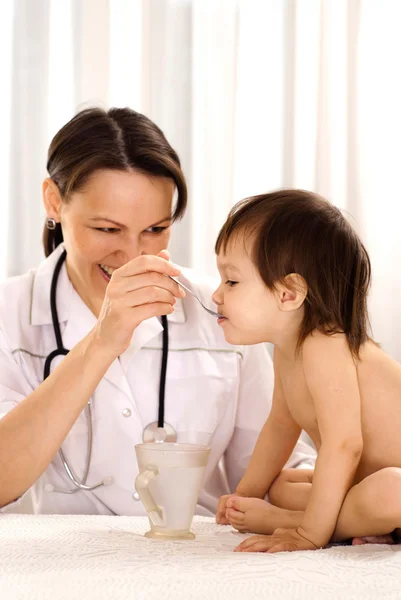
{"x":273,"y":448}
{"x":331,"y":376}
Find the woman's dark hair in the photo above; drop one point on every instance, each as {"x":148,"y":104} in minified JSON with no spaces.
{"x":295,"y":231}
{"x":119,"y":139}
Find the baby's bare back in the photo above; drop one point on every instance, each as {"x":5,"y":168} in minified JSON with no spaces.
{"x":379,"y":379}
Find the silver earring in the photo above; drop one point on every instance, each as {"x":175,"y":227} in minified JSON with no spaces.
{"x":51,"y":223}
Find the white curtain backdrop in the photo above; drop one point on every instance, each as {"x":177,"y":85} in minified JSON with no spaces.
{"x":254,"y":95}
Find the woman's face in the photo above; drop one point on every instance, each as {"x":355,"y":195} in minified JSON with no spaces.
{"x":115,"y":217}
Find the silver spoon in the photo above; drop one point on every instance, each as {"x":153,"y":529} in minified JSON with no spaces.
{"x":211,"y":312}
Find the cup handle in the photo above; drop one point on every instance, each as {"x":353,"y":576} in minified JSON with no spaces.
{"x":141,"y":486}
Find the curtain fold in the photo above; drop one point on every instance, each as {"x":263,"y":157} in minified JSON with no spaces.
{"x":27,"y":146}
{"x":254,"y":95}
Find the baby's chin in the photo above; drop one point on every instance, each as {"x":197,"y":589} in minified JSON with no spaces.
{"x":239,"y":338}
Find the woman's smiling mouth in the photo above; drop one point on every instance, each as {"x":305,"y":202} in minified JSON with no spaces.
{"x":106,"y":271}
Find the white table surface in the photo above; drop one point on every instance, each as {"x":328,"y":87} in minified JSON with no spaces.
{"x":103,"y":558}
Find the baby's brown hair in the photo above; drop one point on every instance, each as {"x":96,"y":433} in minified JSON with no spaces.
{"x":295,"y":231}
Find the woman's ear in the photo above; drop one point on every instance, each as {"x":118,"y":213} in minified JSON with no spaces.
{"x":51,"y":199}
{"x":291,"y":292}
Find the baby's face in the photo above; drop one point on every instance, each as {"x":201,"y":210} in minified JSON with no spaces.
{"x":248,"y":307}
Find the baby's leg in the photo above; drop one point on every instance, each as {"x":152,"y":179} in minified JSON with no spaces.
{"x":371,"y":508}
{"x":291,"y":489}
{"x":288,"y":494}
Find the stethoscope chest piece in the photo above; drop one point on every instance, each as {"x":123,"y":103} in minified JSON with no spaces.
{"x":154,"y":433}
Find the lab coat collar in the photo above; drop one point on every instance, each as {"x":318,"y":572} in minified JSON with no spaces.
{"x":40,"y":313}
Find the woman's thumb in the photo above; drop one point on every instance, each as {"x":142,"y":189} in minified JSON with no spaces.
{"x":164,"y":254}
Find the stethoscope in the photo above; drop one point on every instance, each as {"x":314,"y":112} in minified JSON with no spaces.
{"x":159,"y":431}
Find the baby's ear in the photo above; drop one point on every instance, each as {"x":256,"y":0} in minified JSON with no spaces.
{"x":291,"y":292}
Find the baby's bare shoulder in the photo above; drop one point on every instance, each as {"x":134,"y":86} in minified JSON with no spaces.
{"x":321,"y":345}
{"x":373,"y":357}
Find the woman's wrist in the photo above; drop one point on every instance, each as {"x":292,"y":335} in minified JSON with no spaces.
{"x":101,"y":342}
{"x":97,"y":348}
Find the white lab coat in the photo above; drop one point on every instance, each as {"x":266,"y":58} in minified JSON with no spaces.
{"x":216,"y":394}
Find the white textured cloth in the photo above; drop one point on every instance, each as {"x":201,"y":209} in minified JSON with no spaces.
{"x":57,"y":557}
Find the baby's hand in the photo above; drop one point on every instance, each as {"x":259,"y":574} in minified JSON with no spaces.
{"x":282,"y":540}
{"x":221,"y":509}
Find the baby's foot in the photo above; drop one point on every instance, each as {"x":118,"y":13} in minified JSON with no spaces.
{"x":253,"y":515}
{"x":373,"y":539}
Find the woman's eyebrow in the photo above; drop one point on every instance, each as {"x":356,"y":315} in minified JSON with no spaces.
{"x":102,"y":218}
{"x":106,"y":219}
{"x":161,"y":221}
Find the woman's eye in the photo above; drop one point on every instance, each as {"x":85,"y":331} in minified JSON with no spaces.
{"x":155,"y":230}
{"x":107,"y":229}
{"x":231,"y":283}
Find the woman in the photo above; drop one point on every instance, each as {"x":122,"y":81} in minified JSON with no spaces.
{"x":109,"y":200}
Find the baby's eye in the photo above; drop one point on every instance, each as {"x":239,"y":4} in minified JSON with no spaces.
{"x":231,"y":283}
{"x":107,"y":229}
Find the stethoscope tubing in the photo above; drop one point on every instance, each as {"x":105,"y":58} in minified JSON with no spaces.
{"x":61,"y":351}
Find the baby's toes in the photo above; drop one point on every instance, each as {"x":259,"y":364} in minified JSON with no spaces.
{"x":235,"y":516}
{"x":241,"y":528}
{"x":237,"y":520}
{"x":373,"y":539}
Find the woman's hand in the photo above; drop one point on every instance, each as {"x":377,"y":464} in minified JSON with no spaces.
{"x":137,"y":291}
{"x":282,"y":540}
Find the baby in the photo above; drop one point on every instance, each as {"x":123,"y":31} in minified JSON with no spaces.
{"x":294,"y":273}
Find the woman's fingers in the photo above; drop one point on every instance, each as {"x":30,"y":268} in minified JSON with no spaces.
{"x":136,"y":292}
{"x":148,"y":295}
{"x":156,"y":309}
{"x":164,"y":254}
{"x":145,"y":264}
{"x":144,"y":280}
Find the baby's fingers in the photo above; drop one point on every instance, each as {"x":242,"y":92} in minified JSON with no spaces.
{"x":221,"y":511}
{"x":255,"y":543}
{"x":223,"y":520}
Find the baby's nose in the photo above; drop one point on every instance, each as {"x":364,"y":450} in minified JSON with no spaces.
{"x":216,"y":296}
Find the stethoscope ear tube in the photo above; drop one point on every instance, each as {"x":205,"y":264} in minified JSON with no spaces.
{"x":60,"y":350}
{"x":163,"y":372}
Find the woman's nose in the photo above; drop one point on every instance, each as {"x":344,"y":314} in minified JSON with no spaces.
{"x":129,"y":250}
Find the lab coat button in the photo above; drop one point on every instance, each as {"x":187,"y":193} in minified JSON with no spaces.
{"x":126,"y":412}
